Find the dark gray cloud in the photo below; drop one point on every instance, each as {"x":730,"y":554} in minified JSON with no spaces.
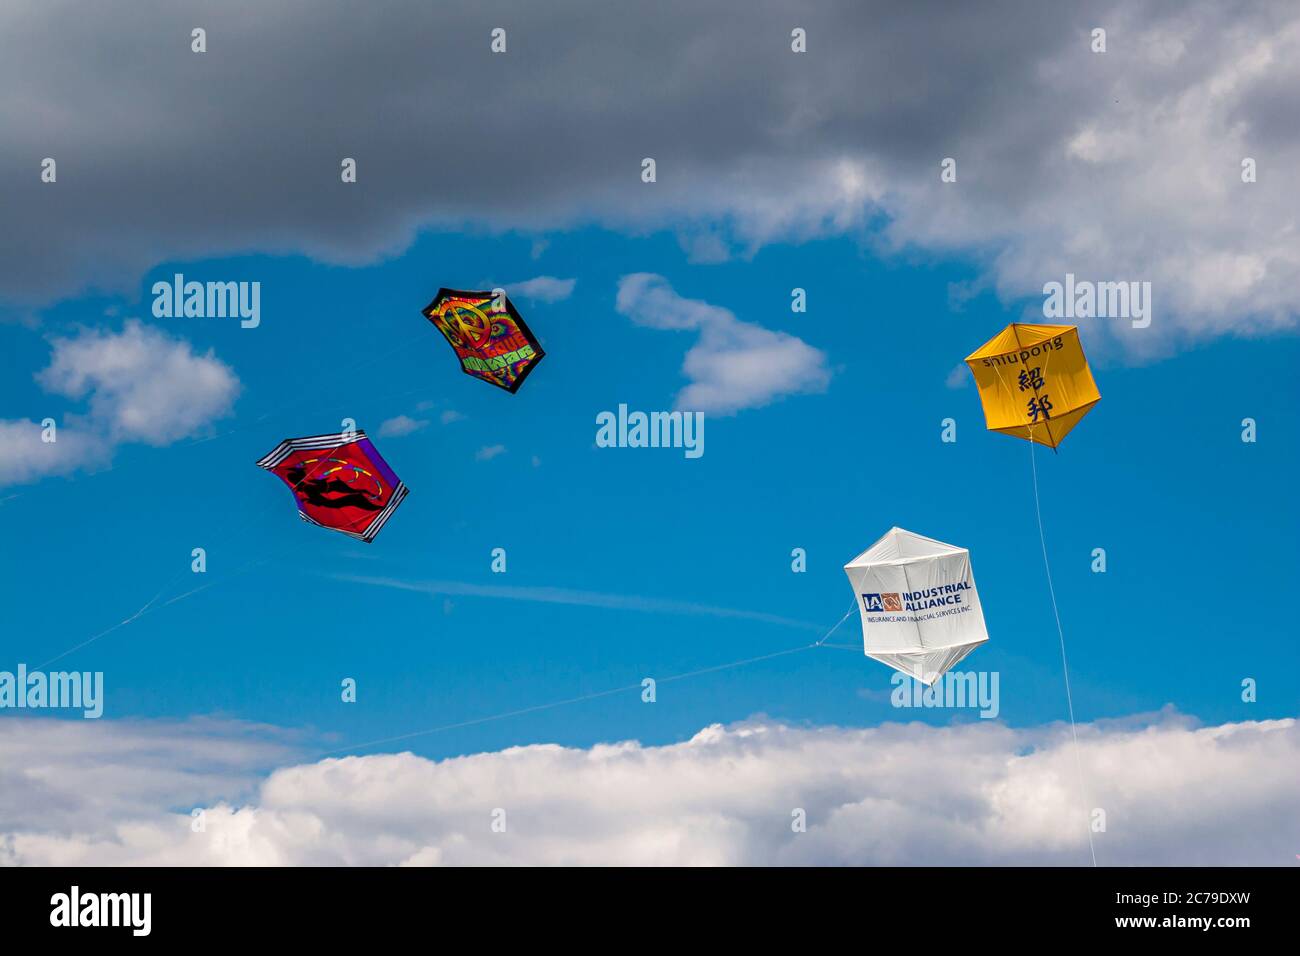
{"x":1123,"y":165}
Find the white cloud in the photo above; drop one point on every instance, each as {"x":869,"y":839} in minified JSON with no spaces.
{"x":488,"y":452}
{"x":971,"y":793}
{"x":958,"y":377}
{"x":85,"y":776}
{"x":143,"y":385}
{"x":449,"y":416}
{"x":140,"y":385}
{"x":541,"y":289}
{"x":401,"y":425}
{"x":734,"y":365}
{"x":25,"y":457}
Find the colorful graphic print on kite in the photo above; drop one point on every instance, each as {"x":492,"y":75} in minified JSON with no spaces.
{"x":488,"y":334}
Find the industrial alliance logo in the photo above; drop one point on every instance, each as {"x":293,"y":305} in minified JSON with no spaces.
{"x":890,"y":601}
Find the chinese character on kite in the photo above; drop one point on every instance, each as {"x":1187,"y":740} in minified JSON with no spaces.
{"x":1044,"y":360}
{"x":489,"y":336}
{"x":339,"y":481}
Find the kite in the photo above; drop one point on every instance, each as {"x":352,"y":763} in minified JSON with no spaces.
{"x":920,"y":610}
{"x":338,"y":481}
{"x":490,"y":337}
{"x":1034,"y":381}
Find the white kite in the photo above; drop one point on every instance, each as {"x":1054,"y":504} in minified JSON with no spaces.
{"x":920,"y":610}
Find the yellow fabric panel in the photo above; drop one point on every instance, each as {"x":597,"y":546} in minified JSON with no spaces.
{"x":1035,"y":433}
{"x":1044,"y":365}
{"x":1050,"y":432}
{"x":1016,"y":336}
{"x":1004,"y":341}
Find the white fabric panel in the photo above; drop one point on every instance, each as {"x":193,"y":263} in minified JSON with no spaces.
{"x":927,"y":667}
{"x":883,"y":630}
{"x":886,"y":549}
{"x":912,"y":545}
{"x":945,"y":603}
{"x":899,"y":544}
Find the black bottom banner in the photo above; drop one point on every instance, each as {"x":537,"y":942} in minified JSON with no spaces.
{"x":335,"y":905}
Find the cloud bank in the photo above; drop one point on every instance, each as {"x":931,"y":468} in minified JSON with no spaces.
{"x":1174,"y":794}
{"x":1117,"y":165}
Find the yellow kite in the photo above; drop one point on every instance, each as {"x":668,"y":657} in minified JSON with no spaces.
{"x":1034,"y":381}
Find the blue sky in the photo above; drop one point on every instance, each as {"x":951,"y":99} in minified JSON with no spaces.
{"x":1197,"y":525}
{"x":792,"y":149}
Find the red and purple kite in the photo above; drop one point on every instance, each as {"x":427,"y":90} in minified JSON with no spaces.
{"x":338,"y":481}
{"x":490,"y":337}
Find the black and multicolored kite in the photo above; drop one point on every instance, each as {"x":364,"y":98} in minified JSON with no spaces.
{"x":490,"y":337}
{"x":338,"y":481}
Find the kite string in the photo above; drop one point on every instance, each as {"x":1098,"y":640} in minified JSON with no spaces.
{"x":1060,"y":633}
{"x":820,"y":642}
{"x":1051,"y":591}
{"x":148,"y":606}
{"x":852,"y":607}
